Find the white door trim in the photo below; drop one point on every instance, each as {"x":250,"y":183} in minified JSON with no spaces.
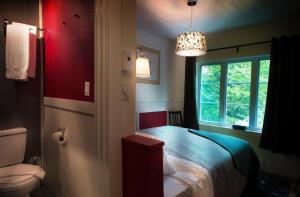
{"x":101,"y":96}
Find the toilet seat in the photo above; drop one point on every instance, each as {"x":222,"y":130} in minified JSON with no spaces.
{"x":15,"y":180}
{"x":28,"y":184}
{"x":12,"y":182}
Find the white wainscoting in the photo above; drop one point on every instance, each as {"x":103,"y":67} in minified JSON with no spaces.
{"x":177,"y":105}
{"x":148,"y":106}
{"x":72,"y":168}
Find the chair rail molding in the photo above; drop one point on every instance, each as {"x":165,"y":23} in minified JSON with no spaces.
{"x":82,"y":107}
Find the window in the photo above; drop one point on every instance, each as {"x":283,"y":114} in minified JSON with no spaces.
{"x":262,"y":91}
{"x":233,"y":92}
{"x":210,"y":97}
{"x":238,"y":93}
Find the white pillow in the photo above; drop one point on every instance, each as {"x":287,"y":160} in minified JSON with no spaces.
{"x":168,"y":166}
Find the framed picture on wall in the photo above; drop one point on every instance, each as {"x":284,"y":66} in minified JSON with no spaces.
{"x":154,"y":60}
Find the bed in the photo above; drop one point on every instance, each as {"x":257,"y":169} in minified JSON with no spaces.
{"x":204,"y":167}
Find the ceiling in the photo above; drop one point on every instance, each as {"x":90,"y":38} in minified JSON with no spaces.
{"x":168,"y":18}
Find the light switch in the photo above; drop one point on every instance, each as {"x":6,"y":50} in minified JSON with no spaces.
{"x":127,"y":61}
{"x":86,"y":88}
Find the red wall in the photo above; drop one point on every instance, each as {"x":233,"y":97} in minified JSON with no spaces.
{"x":69,"y":48}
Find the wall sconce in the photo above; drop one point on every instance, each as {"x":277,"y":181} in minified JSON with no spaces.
{"x":142,"y":64}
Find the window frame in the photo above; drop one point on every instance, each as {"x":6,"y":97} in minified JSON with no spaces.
{"x":254,"y":88}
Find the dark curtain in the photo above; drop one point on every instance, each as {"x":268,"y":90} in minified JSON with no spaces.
{"x":280,"y":130}
{"x":190,"y":119}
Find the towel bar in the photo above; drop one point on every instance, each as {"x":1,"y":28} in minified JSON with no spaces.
{"x":7,"y":22}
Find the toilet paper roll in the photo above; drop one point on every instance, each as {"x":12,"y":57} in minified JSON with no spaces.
{"x":59,"y":137}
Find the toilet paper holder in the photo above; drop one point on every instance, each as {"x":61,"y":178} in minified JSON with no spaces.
{"x":60,"y":136}
{"x":62,"y":130}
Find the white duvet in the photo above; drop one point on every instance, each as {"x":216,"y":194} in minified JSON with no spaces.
{"x":190,"y":180}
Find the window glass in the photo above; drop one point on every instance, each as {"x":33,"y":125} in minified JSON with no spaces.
{"x":238,"y":93}
{"x":224,"y":95}
{"x":262,"y":91}
{"x":210,"y":93}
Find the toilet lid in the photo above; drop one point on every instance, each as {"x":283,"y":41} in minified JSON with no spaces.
{"x":18,"y":173}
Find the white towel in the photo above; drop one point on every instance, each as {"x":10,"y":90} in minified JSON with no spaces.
{"x":20,"y":51}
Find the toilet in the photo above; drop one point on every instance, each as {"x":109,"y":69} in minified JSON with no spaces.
{"x":16,"y":179}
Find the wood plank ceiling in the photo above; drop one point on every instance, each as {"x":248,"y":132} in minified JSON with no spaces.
{"x":168,"y":18}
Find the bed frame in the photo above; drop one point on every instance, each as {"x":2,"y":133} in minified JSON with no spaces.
{"x":147,"y":120}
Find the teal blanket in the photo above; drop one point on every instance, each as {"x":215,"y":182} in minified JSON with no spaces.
{"x":243,"y":156}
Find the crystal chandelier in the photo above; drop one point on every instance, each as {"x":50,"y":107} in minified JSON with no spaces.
{"x":191,"y":43}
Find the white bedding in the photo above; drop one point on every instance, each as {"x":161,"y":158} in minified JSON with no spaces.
{"x":190,"y":180}
{"x":225,"y":179}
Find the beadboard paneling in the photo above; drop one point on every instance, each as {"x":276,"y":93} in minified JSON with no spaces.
{"x":71,"y":168}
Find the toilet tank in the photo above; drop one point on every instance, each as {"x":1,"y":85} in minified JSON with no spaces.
{"x":12,"y":146}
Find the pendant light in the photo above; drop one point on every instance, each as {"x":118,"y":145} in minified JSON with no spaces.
{"x":191,"y":43}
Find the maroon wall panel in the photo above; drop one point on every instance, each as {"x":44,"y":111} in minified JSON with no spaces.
{"x":69,"y":48}
{"x":152,"y":119}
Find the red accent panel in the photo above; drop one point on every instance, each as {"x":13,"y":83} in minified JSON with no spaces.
{"x":152,"y":119}
{"x":142,"y":167}
{"x":69,"y":48}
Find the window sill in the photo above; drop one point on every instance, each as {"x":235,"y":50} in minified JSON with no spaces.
{"x":229,"y":130}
